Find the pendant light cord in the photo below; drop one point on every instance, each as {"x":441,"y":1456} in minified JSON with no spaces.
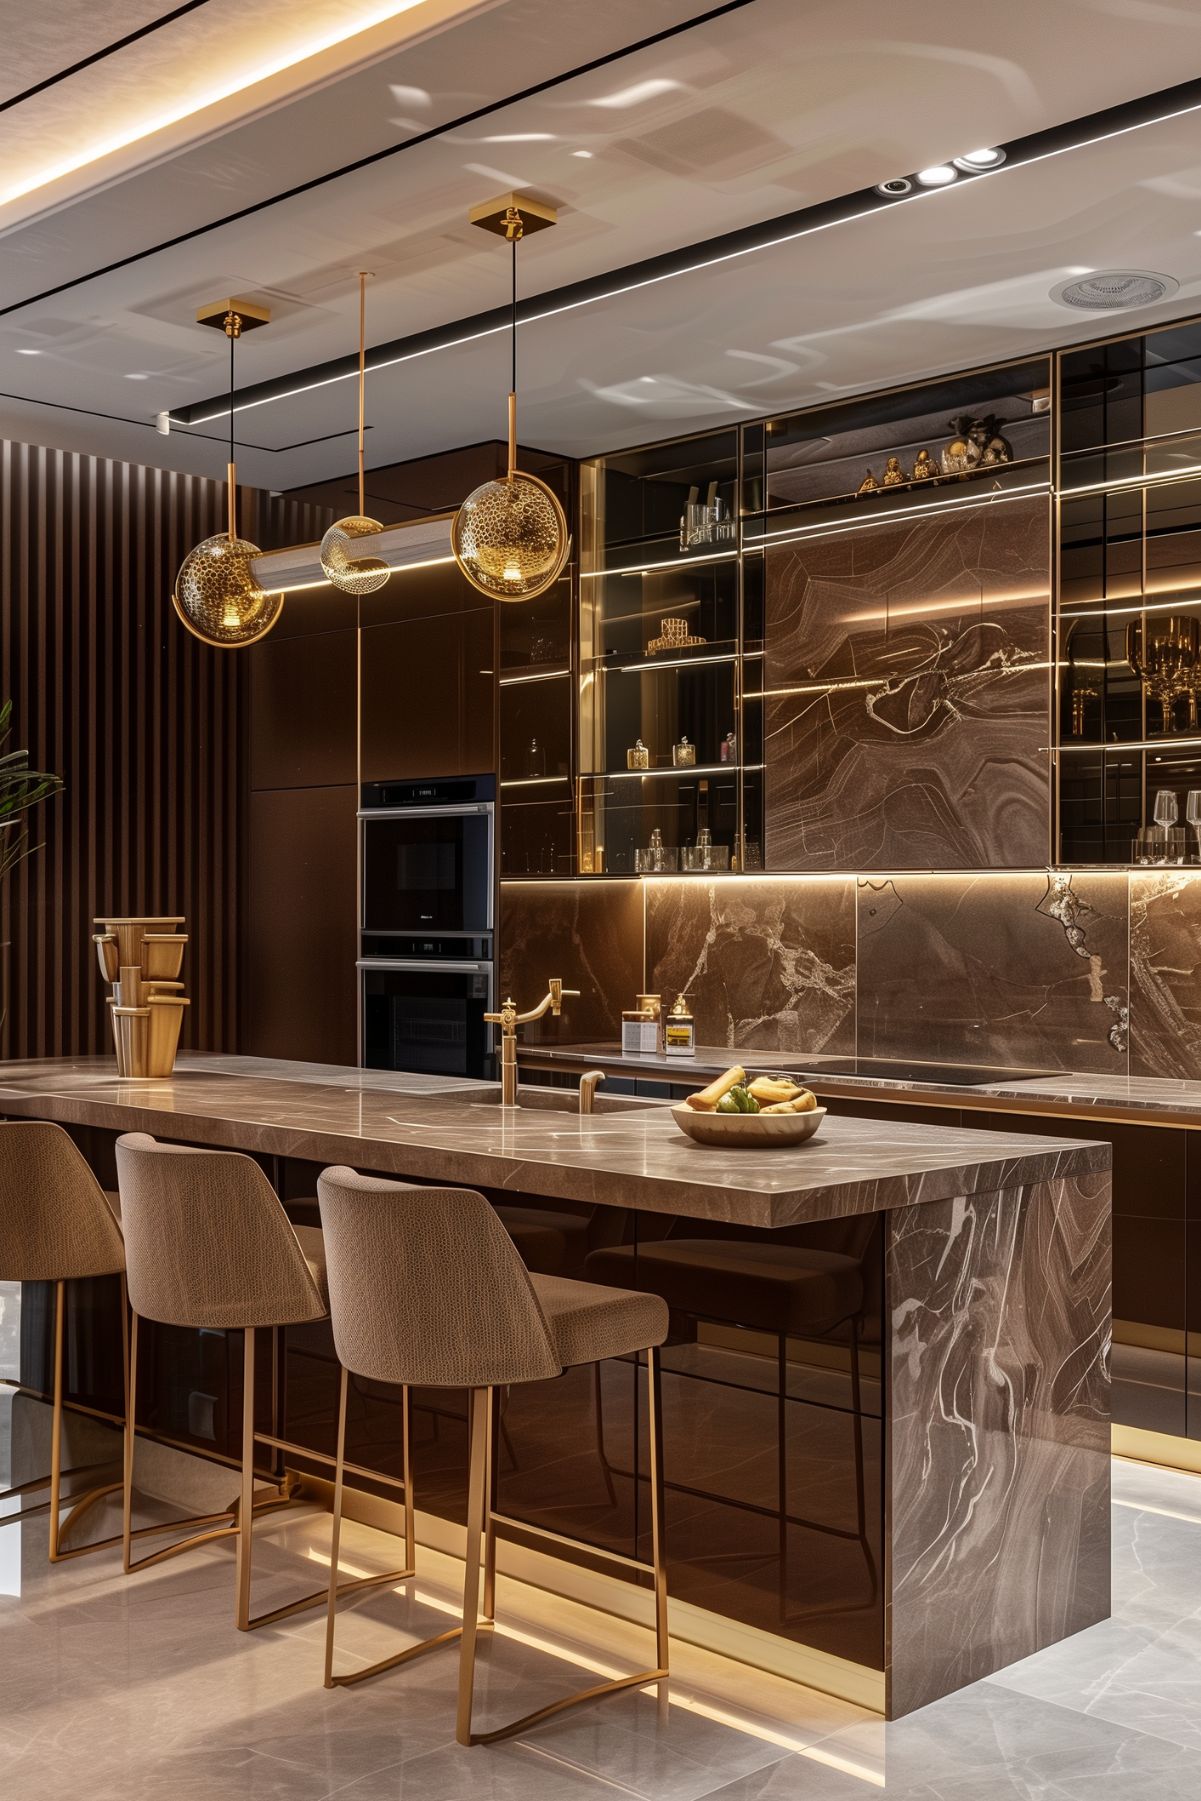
{"x":230,"y":474}
{"x":362,"y":387}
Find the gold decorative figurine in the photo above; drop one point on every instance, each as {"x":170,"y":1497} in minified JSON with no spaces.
{"x":868,"y":485}
{"x":924,"y":467}
{"x":894,"y":475}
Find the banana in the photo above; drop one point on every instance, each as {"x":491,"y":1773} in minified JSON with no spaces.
{"x":707,"y":1099}
{"x":771,"y":1089}
{"x":804,"y":1102}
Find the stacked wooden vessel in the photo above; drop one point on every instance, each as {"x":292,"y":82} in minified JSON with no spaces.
{"x":142,"y":958}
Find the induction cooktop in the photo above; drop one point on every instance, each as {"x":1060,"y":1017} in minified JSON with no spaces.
{"x":941,"y":1074}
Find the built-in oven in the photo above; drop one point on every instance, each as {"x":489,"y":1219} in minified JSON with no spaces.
{"x":426,"y":973}
{"x":426,"y":1012}
{"x":428,"y":855}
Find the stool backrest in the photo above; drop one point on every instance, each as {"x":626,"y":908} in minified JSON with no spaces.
{"x":207,"y":1242}
{"x":426,"y":1287}
{"x":55,"y":1224}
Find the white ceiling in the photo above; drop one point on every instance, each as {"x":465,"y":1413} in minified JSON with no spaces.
{"x":770,"y":108}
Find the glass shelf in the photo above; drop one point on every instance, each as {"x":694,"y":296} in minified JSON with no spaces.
{"x":553,"y":673}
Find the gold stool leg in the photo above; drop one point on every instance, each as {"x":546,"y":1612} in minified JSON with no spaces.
{"x":478,"y":1501}
{"x":392,"y":1577}
{"x":59,"y":1527}
{"x":208,"y":1524}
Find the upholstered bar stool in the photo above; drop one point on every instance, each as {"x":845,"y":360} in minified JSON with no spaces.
{"x":209,"y":1246}
{"x":56,"y":1225}
{"x":426,"y":1289}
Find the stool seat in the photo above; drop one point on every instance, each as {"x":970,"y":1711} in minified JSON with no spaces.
{"x":589,"y":1323}
{"x":778,"y":1287}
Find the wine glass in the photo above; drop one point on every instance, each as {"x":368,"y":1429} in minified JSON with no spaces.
{"x":1192,"y":812}
{"x":1167,"y":808}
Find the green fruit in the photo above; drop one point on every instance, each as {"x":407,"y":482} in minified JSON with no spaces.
{"x":727,"y":1104}
{"x":752,"y":1105}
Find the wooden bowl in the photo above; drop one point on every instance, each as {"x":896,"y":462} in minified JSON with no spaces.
{"x":747,"y":1131}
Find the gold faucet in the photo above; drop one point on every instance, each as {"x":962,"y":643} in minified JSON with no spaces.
{"x":508,"y":1019}
{"x":588,"y":1086}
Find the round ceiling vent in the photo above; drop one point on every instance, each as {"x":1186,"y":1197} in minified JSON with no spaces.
{"x":1109,"y":290}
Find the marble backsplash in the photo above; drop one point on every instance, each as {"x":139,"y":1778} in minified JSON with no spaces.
{"x":1089,"y":970}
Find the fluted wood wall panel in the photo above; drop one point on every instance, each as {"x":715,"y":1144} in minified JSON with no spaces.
{"x":145,"y":725}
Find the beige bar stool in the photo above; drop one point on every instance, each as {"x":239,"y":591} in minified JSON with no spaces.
{"x":209,"y":1246}
{"x":56,"y":1225}
{"x":426,"y":1289}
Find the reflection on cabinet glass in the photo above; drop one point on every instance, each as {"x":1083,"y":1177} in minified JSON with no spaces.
{"x":1130,"y":599}
{"x":661,"y":659}
{"x":535,"y":689}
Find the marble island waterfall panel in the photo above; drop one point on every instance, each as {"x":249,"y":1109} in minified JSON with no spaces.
{"x":1020,"y":971}
{"x":919,"y":737}
{"x":998,"y":1430}
{"x":765,"y":965}
{"x":1165,"y":974}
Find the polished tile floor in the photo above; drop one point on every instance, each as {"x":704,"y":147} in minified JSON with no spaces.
{"x":141,"y":1688}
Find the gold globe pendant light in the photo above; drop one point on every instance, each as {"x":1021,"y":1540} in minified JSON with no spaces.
{"x":510,"y":537}
{"x":215,"y":593}
{"x":341,"y":547}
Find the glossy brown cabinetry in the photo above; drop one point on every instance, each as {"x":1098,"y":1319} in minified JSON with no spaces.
{"x":427,"y":696}
{"x":302,"y":710}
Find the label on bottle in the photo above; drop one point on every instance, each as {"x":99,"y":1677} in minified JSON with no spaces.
{"x":679,"y":1037}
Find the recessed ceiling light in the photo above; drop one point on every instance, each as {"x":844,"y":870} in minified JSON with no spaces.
{"x":980,"y":159}
{"x":891,"y":190}
{"x":27,"y":350}
{"x":587,"y":155}
{"x":136,"y":375}
{"x":940,"y":176}
{"x":521,"y":137}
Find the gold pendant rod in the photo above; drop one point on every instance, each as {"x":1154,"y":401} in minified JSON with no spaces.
{"x":512,"y":434}
{"x":364,"y":275}
{"x":231,"y":492}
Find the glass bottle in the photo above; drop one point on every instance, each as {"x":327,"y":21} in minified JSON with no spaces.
{"x":535,"y":758}
{"x":683,"y":754}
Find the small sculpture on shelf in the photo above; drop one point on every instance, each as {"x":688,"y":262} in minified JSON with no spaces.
{"x":673,"y":635}
{"x":894,"y":475}
{"x":141,"y":959}
{"x":868,"y":485}
{"x":729,"y":748}
{"x":639,"y":757}
{"x":924,"y":467}
{"x":955,"y":458}
{"x":683,"y":754}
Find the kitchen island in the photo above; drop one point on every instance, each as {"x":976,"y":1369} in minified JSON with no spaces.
{"x":886,"y":1384}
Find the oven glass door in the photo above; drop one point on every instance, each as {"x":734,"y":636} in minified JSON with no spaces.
{"x":428,"y":871}
{"x":427,"y":1017}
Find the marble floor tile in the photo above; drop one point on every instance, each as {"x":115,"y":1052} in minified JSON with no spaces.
{"x":140,"y":1689}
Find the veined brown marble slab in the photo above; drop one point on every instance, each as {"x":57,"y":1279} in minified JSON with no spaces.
{"x":1025,"y":970}
{"x":630,"y":1159}
{"x":1165,"y":973}
{"x":998,"y":1431}
{"x":762,"y":963}
{"x":916,"y":732}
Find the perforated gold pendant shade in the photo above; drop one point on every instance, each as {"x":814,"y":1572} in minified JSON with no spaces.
{"x":217,"y":597}
{"x":342,"y":559}
{"x":510,"y":538}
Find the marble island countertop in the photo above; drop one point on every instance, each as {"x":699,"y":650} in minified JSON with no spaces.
{"x":426,"y":1128}
{"x":1153,"y":1099}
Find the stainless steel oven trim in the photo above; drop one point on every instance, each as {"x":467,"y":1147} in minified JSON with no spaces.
{"x":487,"y":807}
{"x":451,"y":812}
{"x":431,"y":965}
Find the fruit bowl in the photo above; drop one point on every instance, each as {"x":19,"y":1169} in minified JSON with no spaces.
{"x":747,"y":1130}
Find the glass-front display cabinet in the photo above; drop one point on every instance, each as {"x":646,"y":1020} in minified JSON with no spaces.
{"x":661,"y":756}
{"x":1129,"y":600}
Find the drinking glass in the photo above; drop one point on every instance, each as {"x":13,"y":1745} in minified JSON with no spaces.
{"x":1167,"y":808}
{"x":1192,"y":812}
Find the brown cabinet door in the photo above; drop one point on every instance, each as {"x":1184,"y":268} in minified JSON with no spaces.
{"x":427,"y":696}
{"x":302,"y":711}
{"x":301,"y":934}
